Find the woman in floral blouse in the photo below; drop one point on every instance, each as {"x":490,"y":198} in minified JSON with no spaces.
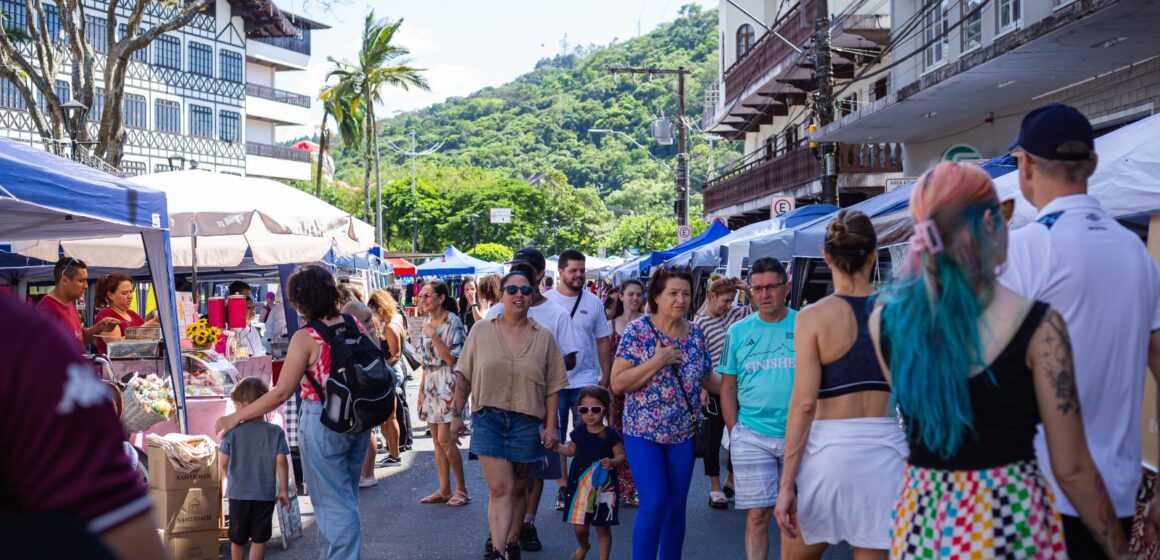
{"x":660,"y":365}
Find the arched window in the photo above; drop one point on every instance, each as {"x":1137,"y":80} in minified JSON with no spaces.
{"x":744,"y":40}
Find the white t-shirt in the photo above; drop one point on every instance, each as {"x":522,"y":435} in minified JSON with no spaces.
{"x":591,"y":324}
{"x":551,"y":317}
{"x":1106,"y":285}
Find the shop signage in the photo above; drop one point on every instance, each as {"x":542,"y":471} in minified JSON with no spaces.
{"x":501,"y":215}
{"x":892,"y":184}
{"x":962,"y":152}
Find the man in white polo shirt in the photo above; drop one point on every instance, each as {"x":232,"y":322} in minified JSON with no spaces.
{"x":1101,"y":278}
{"x":594,"y":361}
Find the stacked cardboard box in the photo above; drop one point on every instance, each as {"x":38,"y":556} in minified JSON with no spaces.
{"x":188,"y":507}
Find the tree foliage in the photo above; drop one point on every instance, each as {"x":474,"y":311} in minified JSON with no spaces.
{"x":492,"y":252}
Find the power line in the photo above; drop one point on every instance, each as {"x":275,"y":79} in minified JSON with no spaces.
{"x":413,"y":153}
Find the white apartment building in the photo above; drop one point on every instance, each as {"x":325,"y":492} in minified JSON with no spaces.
{"x":965,"y":72}
{"x":204,"y":93}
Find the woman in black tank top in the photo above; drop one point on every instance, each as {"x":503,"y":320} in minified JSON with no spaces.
{"x":975,"y":368}
{"x":844,"y":455}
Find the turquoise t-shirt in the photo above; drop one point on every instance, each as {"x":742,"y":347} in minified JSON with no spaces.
{"x":761,"y":356}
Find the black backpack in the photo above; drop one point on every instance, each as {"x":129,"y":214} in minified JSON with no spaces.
{"x":360,"y":392}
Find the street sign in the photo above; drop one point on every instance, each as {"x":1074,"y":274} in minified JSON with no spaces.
{"x":684,"y":233}
{"x":892,"y":184}
{"x":501,"y":215}
{"x":781,"y":205}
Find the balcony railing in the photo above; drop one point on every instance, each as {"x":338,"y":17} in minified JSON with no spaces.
{"x":869,"y":158}
{"x":278,"y":152}
{"x":763,"y":178}
{"x":769,"y":50}
{"x":266,"y":92}
{"x":297,"y":44}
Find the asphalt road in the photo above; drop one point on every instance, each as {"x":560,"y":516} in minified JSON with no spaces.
{"x":396,"y":525}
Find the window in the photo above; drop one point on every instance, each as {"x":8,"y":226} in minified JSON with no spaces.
{"x":167,"y":116}
{"x":200,"y":121}
{"x":848,"y":104}
{"x":231,"y":66}
{"x":879,"y":89}
{"x":133,"y":167}
{"x":52,"y":22}
{"x":143,"y":54}
{"x":98,"y":107}
{"x":231,"y":126}
{"x":744,"y":40}
{"x":97,"y":31}
{"x":200,"y":59}
{"x":934,"y":33}
{"x":167,"y":52}
{"x":63,"y":92}
{"x":133,"y":107}
{"x":1010,"y":14}
{"x":10,"y":97}
{"x":972,"y":24}
{"x":15,"y":14}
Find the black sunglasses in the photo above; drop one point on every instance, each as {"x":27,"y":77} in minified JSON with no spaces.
{"x":511,"y":290}
{"x":592,"y":409}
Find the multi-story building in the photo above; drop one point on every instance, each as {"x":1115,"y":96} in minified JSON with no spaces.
{"x":202,"y":93}
{"x":765,"y":98}
{"x":965,"y":72}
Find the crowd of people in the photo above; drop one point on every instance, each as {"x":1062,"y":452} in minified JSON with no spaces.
{"x":983,"y":405}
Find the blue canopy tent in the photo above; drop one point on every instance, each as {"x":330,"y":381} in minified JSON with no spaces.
{"x":45,"y":197}
{"x":454,"y":263}
{"x":715,"y":231}
{"x":626,"y":270}
{"x":717,"y":253}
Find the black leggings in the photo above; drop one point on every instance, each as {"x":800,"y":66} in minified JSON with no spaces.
{"x":716,"y":431}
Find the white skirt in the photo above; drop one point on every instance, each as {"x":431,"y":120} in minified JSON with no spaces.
{"x":850,"y":480}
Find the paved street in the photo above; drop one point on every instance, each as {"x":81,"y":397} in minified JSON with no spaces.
{"x":395,"y":525}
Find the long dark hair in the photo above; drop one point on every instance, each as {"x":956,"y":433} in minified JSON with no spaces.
{"x":439,"y":288}
{"x":620,"y":300}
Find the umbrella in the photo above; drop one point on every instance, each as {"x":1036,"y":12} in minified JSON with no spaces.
{"x":306,"y":145}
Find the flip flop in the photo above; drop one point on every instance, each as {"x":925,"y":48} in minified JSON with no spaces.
{"x":459,"y":499}
{"x":728,"y":491}
{"x":717,"y":500}
{"x":436,"y":498}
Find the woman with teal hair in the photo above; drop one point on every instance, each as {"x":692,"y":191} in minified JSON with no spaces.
{"x":975,"y":368}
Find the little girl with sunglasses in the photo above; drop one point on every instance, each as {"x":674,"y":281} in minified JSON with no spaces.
{"x":593,"y":492}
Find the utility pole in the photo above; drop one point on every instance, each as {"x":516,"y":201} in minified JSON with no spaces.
{"x":474,"y":235}
{"x":681,"y":208}
{"x":413,"y":153}
{"x":824,"y":104}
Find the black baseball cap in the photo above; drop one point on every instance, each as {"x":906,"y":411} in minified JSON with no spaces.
{"x":531,"y":256}
{"x":1048,"y":127}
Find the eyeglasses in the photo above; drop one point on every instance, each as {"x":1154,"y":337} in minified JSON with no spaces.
{"x":767,"y":288}
{"x":511,"y":290}
{"x":426,"y":296}
{"x":592,"y":409}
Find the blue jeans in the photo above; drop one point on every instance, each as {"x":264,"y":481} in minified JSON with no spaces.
{"x":333,"y":464}
{"x":569,"y":400}
{"x":662,"y":473}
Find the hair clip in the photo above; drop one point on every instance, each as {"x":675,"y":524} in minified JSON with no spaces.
{"x":926,"y":238}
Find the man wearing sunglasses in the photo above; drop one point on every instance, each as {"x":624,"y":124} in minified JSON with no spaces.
{"x":72,"y":278}
{"x":1070,"y":257}
{"x":557,"y":321}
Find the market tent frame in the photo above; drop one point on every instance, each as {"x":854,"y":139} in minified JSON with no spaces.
{"x":454,"y":262}
{"x":715,"y":231}
{"x":43,"y":196}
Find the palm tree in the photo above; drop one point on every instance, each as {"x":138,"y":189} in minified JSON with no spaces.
{"x":337,"y":104}
{"x":380,"y":64}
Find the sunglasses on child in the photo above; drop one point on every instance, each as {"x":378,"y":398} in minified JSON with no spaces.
{"x":592,"y":409}
{"x":511,"y":290}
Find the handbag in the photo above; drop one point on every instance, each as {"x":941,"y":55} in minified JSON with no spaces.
{"x":700,"y":425}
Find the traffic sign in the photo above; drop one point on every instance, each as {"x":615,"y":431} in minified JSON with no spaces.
{"x":501,"y":215}
{"x":781,"y":205}
{"x":684,"y":233}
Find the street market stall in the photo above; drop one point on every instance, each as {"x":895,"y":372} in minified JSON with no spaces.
{"x":454,"y":262}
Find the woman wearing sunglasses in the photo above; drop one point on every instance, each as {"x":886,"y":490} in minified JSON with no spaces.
{"x":441,"y":344}
{"x":513,"y":371}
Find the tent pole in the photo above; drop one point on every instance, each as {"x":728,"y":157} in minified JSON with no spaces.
{"x":193,"y":281}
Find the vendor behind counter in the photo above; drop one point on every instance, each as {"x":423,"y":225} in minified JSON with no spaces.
{"x":114,"y":298}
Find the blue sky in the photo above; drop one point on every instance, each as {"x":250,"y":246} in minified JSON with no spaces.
{"x":466,"y":45}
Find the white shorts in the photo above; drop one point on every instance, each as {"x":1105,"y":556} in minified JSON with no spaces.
{"x":850,"y":481}
{"x":757,"y":463}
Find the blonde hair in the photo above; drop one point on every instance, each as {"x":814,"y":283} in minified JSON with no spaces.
{"x":382,"y":301}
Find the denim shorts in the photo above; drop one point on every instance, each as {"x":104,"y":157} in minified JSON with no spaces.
{"x":507,"y":435}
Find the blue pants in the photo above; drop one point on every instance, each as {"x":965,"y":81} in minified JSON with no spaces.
{"x":569,"y":400}
{"x":662,"y":473}
{"x":333,"y":464}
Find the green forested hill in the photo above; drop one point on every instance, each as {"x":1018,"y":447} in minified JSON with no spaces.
{"x":537,"y":126}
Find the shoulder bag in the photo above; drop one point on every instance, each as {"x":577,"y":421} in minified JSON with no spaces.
{"x":700,"y":429}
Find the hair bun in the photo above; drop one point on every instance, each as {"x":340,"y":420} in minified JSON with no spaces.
{"x":837,"y":230}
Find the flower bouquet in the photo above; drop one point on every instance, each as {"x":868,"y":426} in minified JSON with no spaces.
{"x":147,"y":401}
{"x":202,"y":335}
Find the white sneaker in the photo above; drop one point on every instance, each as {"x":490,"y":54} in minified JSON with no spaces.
{"x":367,"y":482}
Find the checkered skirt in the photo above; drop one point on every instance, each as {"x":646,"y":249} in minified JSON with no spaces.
{"x":1006,"y":512}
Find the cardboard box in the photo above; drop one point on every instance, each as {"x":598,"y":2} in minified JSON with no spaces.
{"x":202,"y":545}
{"x":162,"y":475}
{"x":187,"y":511}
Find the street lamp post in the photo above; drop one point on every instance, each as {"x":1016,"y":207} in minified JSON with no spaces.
{"x":474,"y":231}
{"x":379,"y":212}
{"x":73,"y":110}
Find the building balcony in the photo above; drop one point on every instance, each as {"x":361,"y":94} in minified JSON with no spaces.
{"x":277,"y":162}
{"x":276,"y":52}
{"x":277,"y":152}
{"x":276,"y":106}
{"x":752,"y":184}
{"x":769,"y":52}
{"x":265,"y":92}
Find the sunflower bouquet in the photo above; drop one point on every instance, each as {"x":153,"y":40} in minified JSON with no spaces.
{"x":202,"y":335}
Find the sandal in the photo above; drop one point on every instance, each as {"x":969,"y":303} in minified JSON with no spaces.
{"x":728,"y":491}
{"x":436,"y":498}
{"x":632,"y":500}
{"x":717,"y":500}
{"x":459,"y":499}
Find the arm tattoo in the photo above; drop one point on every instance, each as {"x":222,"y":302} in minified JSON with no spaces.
{"x":1111,"y":533}
{"x":1055,"y":350}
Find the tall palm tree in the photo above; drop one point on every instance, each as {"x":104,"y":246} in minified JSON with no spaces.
{"x":337,"y":104}
{"x":380,"y":64}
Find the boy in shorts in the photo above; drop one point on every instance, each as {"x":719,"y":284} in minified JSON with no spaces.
{"x":253,"y":459}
